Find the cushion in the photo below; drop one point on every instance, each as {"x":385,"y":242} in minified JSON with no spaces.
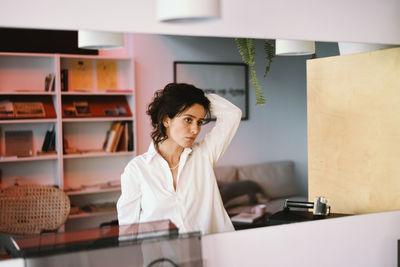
{"x":225,"y":174}
{"x":275,"y":178}
{"x":241,"y":193}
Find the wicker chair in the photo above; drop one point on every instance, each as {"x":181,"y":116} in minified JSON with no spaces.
{"x":32,"y":209}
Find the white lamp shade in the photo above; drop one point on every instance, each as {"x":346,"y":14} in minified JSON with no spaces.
{"x":100,"y":40}
{"x":177,"y":10}
{"x":294,"y":48}
{"x":352,"y":48}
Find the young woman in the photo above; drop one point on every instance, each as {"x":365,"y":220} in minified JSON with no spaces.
{"x":174,"y":179}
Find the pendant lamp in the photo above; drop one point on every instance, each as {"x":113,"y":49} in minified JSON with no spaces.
{"x":294,"y":48}
{"x":187,"y":10}
{"x":100,"y":40}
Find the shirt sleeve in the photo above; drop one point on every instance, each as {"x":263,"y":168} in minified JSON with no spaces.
{"x":228,"y":118}
{"x":128,"y":205}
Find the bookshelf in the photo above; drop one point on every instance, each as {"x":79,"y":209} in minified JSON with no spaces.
{"x":91,"y":93}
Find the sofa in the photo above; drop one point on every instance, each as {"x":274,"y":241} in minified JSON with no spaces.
{"x":246,"y":186}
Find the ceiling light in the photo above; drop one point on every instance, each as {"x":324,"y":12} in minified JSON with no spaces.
{"x":294,"y":48}
{"x":100,"y":40}
{"x":187,"y":10}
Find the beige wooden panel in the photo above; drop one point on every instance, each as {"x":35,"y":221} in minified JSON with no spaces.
{"x":354,"y":131}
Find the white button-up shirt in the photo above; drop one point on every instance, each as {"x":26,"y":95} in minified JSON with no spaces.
{"x":148,"y":192}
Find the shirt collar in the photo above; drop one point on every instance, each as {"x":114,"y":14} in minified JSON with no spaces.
{"x":152,"y":151}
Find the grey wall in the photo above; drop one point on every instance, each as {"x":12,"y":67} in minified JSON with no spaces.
{"x":276,"y":131}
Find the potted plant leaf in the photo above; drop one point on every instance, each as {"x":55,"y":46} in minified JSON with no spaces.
{"x":246,"y":48}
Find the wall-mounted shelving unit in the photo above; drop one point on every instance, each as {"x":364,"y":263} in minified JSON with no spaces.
{"x":79,"y":165}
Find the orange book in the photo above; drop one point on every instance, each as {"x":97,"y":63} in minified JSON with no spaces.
{"x":123,"y":142}
{"x":117,"y":137}
{"x":114,"y":135}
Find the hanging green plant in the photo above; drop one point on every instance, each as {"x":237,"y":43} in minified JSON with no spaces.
{"x":270,"y":53}
{"x":246,"y":48}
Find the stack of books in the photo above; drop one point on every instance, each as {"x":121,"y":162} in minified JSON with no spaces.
{"x":254,"y":214}
{"x":246,"y":217}
{"x":119,"y":137}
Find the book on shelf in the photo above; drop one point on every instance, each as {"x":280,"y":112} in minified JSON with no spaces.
{"x":81,"y":75}
{"x":123,"y":142}
{"x":112,"y":137}
{"x":19,"y":143}
{"x":49,"y":140}
{"x":29,"y":109}
{"x":82,"y":108}
{"x":106,"y":74}
{"x":6,"y":109}
{"x":49,"y":84}
{"x":246,"y":217}
{"x":119,"y":137}
{"x":69,"y":111}
{"x":131,"y":144}
{"x":106,"y":140}
{"x":116,"y":111}
{"x":64,"y":80}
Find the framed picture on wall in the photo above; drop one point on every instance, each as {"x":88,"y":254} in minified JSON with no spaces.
{"x":229,"y":80}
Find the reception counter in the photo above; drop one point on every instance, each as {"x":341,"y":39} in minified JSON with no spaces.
{"x":145,"y":244}
{"x":359,"y":240}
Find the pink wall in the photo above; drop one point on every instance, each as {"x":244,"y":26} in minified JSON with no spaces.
{"x":153,"y":71}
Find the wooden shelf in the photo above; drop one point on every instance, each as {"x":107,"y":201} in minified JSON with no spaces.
{"x":93,"y":191}
{"x":24,"y":121}
{"x":14,"y":54}
{"x":100,"y":93}
{"x":71,"y":56}
{"x":28,"y":93}
{"x":91,"y":214}
{"x":99,"y":154}
{"x":15,"y":159}
{"x":97,"y":119}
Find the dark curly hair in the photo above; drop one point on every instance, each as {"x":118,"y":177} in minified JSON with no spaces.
{"x":172,"y":101}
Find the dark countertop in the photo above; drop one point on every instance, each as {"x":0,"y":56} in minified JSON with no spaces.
{"x":284,"y":217}
{"x":89,"y":239}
